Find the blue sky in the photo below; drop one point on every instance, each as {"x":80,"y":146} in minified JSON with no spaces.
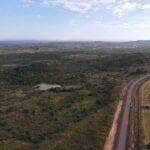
{"x":75,"y":19}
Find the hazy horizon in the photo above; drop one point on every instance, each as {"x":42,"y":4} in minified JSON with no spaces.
{"x":57,"y":40}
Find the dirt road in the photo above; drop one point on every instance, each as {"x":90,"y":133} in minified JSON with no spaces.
{"x":126,"y":96}
{"x":122,"y":138}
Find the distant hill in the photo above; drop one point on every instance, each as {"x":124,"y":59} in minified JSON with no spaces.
{"x":29,"y":42}
{"x":19,"y":42}
{"x":32,"y":46}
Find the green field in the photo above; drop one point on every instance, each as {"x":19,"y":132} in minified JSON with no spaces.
{"x":145,"y":113}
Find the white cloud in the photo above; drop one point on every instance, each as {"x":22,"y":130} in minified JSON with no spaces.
{"x":125,"y":6}
{"x":82,"y":6}
{"x":26,"y":3}
{"x":118,"y":7}
{"x":146,"y":6}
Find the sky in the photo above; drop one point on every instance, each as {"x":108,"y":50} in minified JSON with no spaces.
{"x":104,"y":20}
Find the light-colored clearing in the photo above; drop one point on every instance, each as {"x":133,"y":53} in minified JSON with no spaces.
{"x":45,"y":87}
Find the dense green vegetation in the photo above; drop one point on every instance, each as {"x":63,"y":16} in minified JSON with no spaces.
{"x":79,"y":115}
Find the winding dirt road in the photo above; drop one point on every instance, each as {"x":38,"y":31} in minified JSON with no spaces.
{"x":126,"y":98}
{"x":122,"y":138}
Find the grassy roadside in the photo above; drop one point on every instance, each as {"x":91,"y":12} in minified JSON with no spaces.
{"x":145,"y":115}
{"x":137,"y":118}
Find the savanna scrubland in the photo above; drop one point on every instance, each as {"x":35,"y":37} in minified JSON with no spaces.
{"x":80,"y":113}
